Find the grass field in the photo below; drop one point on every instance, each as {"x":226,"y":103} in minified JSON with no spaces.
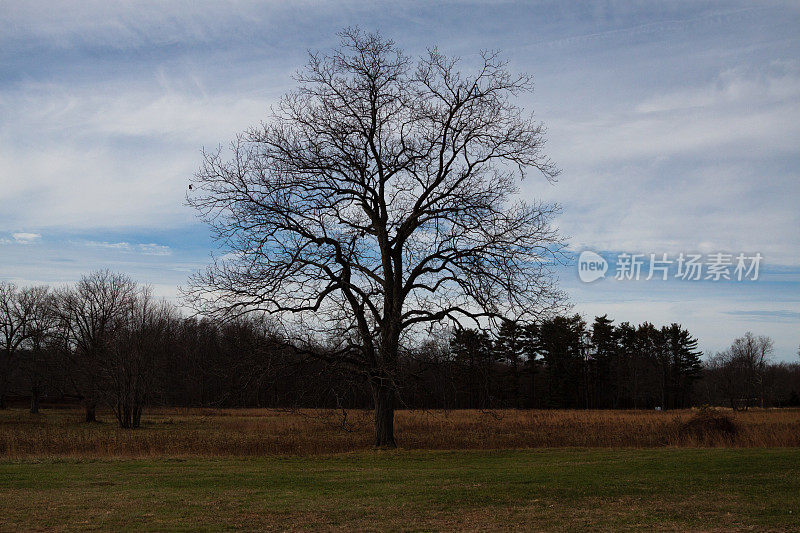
{"x":258,"y":432}
{"x":563,"y":489}
{"x":524,"y":470}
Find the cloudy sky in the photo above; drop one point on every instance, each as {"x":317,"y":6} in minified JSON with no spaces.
{"x":677,"y":127}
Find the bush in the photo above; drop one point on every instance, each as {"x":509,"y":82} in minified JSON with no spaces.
{"x":709,"y":426}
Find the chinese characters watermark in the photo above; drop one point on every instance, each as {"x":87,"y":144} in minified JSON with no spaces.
{"x":716,"y":266}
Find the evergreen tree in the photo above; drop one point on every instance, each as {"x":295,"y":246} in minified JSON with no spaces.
{"x":563,"y":343}
{"x":601,"y":360}
{"x":684,"y":363}
{"x":510,"y":349}
{"x":472,"y":351}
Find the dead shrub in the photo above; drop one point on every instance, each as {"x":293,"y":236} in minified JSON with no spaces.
{"x":709,"y":426}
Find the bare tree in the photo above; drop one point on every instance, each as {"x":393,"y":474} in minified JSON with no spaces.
{"x":134,"y":356}
{"x":43,"y":338}
{"x":15,"y":316}
{"x":381,"y":197}
{"x":742,"y":369}
{"x":93,"y":313}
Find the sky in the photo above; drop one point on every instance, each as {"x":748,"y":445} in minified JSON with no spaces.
{"x":676,"y":126}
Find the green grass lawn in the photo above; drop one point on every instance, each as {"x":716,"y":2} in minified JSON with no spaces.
{"x":566,"y":489}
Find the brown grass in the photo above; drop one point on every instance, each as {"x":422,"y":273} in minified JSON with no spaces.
{"x":255,"y":432}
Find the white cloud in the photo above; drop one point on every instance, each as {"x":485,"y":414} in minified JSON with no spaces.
{"x":113,"y":157}
{"x":97,"y":186}
{"x":26,"y":238}
{"x":708,"y":167}
{"x":125,"y":246}
{"x":779,"y":81}
{"x":613,"y":139}
{"x":172,"y":108}
{"x":154,"y":249}
{"x":119,"y":25}
{"x":141,"y":248}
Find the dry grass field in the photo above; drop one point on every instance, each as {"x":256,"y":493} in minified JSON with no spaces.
{"x":258,"y":432}
{"x":257,"y":469}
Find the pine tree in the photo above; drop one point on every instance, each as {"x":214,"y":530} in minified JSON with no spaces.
{"x":472,"y":351}
{"x":601,"y":361}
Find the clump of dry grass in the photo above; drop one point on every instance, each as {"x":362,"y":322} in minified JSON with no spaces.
{"x":256,"y":432}
{"x":709,"y":425}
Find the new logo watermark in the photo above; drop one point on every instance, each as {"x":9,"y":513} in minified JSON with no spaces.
{"x":591,"y":266}
{"x":717,"y":266}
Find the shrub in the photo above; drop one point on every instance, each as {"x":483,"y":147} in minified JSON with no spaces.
{"x":709,"y":426}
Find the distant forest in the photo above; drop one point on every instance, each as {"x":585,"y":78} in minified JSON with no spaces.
{"x":108,"y":342}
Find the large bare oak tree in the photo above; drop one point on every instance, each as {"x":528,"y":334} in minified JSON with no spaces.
{"x":380,"y":197}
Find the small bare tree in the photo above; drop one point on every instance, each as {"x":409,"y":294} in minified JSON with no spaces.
{"x":380,"y":197}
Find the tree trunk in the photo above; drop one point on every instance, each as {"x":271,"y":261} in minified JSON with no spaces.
{"x":3,"y":385}
{"x":129,"y":415}
{"x":3,"y":378}
{"x":90,"y":411}
{"x":35,"y":400}
{"x":384,"y":397}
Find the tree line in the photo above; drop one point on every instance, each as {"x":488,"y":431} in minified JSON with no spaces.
{"x":562,"y":362}
{"x":106,"y":341}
